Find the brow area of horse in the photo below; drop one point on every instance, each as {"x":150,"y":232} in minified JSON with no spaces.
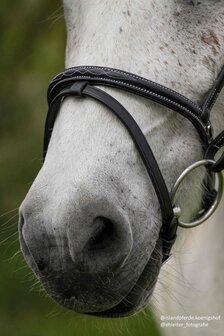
{"x":91,"y":218}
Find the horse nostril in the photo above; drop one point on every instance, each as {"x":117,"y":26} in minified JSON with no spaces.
{"x":41,"y":264}
{"x":103,"y":236}
{"x":21,"y":221}
{"x":99,"y":244}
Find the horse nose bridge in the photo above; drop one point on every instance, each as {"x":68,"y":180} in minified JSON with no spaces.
{"x":99,"y":237}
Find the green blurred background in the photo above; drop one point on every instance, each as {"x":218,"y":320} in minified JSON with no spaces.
{"x":32,"y":51}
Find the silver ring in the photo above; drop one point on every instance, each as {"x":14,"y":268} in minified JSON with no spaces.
{"x":218,"y":181}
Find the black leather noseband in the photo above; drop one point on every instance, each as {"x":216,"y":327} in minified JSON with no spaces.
{"x":80,"y":82}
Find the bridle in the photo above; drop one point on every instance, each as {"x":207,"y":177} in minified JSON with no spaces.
{"x":80,"y":82}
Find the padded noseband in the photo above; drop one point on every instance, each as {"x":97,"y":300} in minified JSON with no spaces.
{"x":81,"y":81}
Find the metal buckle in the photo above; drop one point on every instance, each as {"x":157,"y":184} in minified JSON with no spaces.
{"x":209,"y":130}
{"x":218,"y":185}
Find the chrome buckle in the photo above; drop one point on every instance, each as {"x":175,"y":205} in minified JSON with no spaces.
{"x":209,"y":130}
{"x":218,"y":185}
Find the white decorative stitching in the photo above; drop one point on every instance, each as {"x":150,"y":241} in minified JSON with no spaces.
{"x":59,"y":76}
{"x":152,"y":93}
{"x":210,"y":98}
{"x":220,"y":141}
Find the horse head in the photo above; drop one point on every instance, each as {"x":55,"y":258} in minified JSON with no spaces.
{"x":90,"y":223}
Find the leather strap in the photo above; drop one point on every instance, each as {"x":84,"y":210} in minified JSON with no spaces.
{"x":211,"y":96}
{"x":212,"y":150}
{"x":83,"y":89}
{"x":134,"y":84}
{"x":81,"y":81}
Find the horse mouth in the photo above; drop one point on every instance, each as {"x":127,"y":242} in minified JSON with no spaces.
{"x":139,"y":295}
{"x":126,"y":307}
{"x":136,"y":299}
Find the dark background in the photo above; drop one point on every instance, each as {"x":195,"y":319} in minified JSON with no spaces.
{"x":32,"y":44}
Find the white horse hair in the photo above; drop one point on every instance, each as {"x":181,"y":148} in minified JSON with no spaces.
{"x":93,"y":177}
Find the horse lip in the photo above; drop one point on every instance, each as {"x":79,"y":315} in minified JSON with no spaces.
{"x":112,"y":312}
{"x":116,"y":311}
{"x":107,"y":313}
{"x":129,"y":307}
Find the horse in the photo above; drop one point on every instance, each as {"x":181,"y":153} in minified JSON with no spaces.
{"x":90,"y":224}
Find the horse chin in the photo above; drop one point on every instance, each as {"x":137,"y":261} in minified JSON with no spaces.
{"x":139,"y":296}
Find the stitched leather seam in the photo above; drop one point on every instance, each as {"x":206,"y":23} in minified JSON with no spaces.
{"x":152,"y":93}
{"x":130,"y":75}
{"x":210,"y":98}
{"x":220,"y":140}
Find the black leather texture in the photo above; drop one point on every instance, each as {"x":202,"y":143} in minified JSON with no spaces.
{"x":80,"y":82}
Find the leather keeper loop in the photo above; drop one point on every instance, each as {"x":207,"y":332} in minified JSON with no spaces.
{"x":77,"y":88}
{"x":212,"y":150}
